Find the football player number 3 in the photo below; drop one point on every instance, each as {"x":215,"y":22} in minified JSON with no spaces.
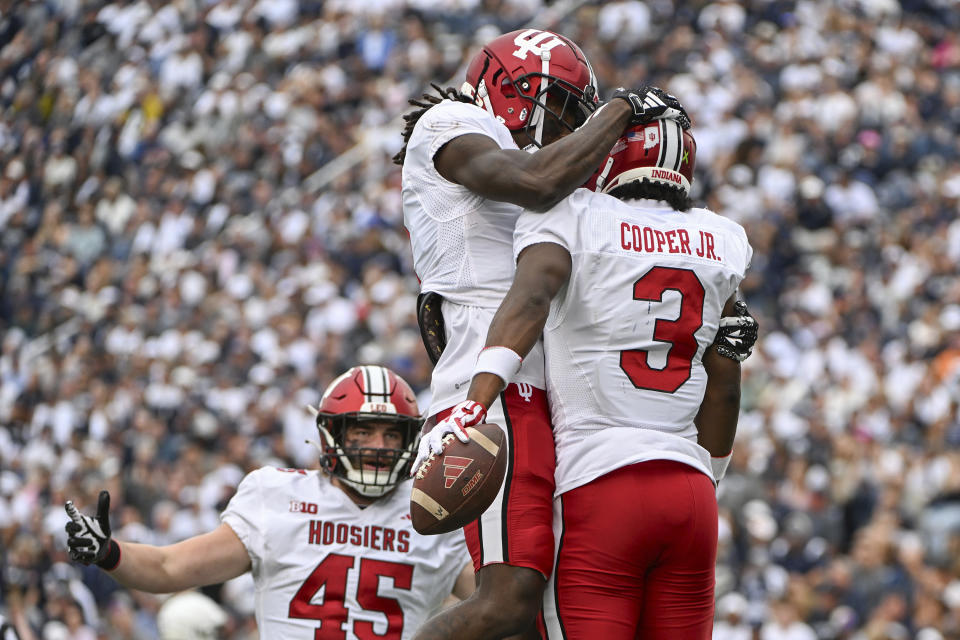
{"x":679,"y":334}
{"x":331,"y":576}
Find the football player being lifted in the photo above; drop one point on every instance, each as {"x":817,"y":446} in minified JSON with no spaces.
{"x":344,"y":530}
{"x":523,"y":131}
{"x":634,"y":293}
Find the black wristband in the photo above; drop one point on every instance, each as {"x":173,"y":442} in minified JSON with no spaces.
{"x":633,"y":99}
{"x":112,"y":559}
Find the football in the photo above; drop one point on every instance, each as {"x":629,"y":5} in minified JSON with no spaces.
{"x":454,"y":488}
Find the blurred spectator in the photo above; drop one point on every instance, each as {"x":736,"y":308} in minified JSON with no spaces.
{"x":731,"y":621}
{"x":785,"y":623}
{"x":183,"y":267}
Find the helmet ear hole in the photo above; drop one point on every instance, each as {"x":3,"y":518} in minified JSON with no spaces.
{"x":329,"y":460}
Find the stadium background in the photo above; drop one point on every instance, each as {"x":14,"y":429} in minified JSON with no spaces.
{"x":200,"y":226}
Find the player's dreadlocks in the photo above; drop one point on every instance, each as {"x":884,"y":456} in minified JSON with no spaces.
{"x":424,"y":103}
{"x":636,"y":189}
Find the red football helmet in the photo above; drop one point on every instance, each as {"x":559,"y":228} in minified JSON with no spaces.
{"x":371,"y":394}
{"x":512,"y":76}
{"x":661,"y":152}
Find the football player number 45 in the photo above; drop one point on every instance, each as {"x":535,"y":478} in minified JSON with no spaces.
{"x":679,"y":334}
{"x":331,"y":576}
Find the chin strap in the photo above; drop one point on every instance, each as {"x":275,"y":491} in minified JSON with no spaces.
{"x":317,"y":445}
{"x":315,"y":412}
{"x":602,"y":178}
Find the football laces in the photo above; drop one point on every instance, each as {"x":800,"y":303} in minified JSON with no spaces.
{"x":425,"y":465}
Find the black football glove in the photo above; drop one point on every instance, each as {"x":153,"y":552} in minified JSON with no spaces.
{"x":88,"y":539}
{"x":737,"y":334}
{"x":652,"y":103}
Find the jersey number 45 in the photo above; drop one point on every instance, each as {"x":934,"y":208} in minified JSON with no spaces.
{"x":331,"y":575}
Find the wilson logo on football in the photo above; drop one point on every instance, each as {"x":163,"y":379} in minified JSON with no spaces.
{"x":453,"y":468}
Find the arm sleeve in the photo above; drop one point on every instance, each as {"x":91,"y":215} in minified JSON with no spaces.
{"x":558,"y":225}
{"x":449,"y":119}
{"x":245,"y":515}
{"x":748,"y":250}
{"x":744,"y":252}
{"x":441,"y":200}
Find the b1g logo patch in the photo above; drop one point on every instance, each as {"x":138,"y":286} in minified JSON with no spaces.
{"x":453,"y":468}
{"x":302,"y":507}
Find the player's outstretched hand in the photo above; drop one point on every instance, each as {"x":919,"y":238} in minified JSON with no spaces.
{"x":737,"y":334}
{"x":88,"y":539}
{"x":652,"y":103}
{"x":466,"y":414}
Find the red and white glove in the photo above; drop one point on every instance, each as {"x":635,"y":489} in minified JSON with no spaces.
{"x":466,"y":414}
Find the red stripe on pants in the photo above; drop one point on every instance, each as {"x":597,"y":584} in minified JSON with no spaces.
{"x":525,"y":522}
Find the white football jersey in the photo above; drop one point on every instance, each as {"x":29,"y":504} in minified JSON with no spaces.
{"x":325,"y":568}
{"x":462,"y":247}
{"x":625,"y":338}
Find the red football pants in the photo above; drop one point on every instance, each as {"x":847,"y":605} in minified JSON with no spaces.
{"x":636,"y":555}
{"x":517,"y":528}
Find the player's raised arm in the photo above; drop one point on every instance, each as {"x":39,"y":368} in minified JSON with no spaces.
{"x":541,"y":88}
{"x":205,"y":559}
{"x":540,"y":180}
{"x":542,"y":270}
{"x":534,"y":181}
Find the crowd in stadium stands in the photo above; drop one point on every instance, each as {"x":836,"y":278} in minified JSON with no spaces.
{"x":174,"y":289}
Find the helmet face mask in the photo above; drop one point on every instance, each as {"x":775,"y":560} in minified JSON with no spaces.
{"x":530,"y":78}
{"x":370,"y":471}
{"x":558,"y":109}
{"x":368,"y":398}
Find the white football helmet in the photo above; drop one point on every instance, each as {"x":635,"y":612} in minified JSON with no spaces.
{"x":190,"y":616}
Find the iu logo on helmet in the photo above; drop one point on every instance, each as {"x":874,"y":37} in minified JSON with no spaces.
{"x":453,"y":468}
{"x":652,"y":138}
{"x":532,"y":41}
